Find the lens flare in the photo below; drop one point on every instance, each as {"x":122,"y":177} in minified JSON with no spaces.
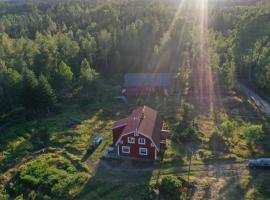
{"x":205,"y":85}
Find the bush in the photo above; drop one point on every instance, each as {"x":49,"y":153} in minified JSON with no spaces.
{"x":148,"y":193}
{"x":3,"y":195}
{"x":170,"y":187}
{"x":48,"y":175}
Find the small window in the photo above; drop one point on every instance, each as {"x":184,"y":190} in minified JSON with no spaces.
{"x":125,"y":149}
{"x":141,"y":141}
{"x":136,"y":134}
{"x":143,"y":151}
{"x":131,"y":140}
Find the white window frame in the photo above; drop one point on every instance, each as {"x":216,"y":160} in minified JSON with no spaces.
{"x":143,"y":154}
{"x":123,"y":151}
{"x":136,"y":134}
{"x":139,"y":142}
{"x":131,"y":140}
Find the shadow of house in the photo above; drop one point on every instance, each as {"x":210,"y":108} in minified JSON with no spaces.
{"x":117,"y":179}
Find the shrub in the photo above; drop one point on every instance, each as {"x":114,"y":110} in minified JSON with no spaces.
{"x":217,"y":143}
{"x":3,"y":195}
{"x":148,"y":192}
{"x":244,"y":182}
{"x":189,"y":134}
{"x":48,"y":175}
{"x":170,"y":187}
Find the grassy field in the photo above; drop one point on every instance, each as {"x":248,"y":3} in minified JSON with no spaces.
{"x":19,"y":151}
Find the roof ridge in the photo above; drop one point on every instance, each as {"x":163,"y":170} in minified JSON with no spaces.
{"x":141,"y":118}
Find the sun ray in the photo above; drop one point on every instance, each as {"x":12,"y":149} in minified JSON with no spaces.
{"x":206,"y":86}
{"x":181,"y":6}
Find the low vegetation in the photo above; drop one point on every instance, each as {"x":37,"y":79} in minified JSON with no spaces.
{"x":170,"y":187}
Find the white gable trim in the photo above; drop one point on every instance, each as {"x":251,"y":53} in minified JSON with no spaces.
{"x":119,"y":139}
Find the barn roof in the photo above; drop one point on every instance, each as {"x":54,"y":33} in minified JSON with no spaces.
{"x":144,"y":120}
{"x":120,"y":123}
{"x":147,"y":79}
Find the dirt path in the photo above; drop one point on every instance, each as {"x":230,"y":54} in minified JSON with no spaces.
{"x":262,"y":104}
{"x":211,"y":169}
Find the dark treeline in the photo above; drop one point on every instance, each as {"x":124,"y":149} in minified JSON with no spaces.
{"x":49,"y":47}
{"x":240,"y":39}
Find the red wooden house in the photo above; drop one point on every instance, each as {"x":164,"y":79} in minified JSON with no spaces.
{"x":140,"y":135}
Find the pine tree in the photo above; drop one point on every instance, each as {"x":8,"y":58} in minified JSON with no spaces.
{"x":10,"y":82}
{"x":87,"y":76}
{"x":64,"y":75}
{"x":46,"y":95}
{"x":29,"y":96}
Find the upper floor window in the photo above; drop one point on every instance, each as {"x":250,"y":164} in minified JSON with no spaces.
{"x":136,"y":134}
{"x":141,"y":141}
{"x":131,"y":140}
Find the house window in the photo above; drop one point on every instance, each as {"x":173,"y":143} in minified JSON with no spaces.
{"x":136,"y":134}
{"x":141,"y":141}
{"x":143,"y":151}
{"x":131,"y":140}
{"x":125,"y":149}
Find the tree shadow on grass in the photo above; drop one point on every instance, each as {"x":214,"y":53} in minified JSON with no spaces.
{"x":252,"y":185}
{"x":117,"y":179}
{"x":15,"y":155}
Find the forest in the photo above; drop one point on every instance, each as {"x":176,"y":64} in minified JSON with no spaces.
{"x":66,"y":58}
{"x":240,"y":45}
{"x":48,"y":48}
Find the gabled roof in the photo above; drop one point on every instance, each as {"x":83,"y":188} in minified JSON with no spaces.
{"x":147,"y":79}
{"x":144,"y":120}
{"x":120,"y":123}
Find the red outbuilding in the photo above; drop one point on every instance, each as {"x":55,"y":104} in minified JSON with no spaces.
{"x":140,"y":135}
{"x":139,"y":84}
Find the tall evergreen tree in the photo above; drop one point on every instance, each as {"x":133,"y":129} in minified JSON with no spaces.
{"x":46,"y":95}
{"x":105,"y":43}
{"x":29,"y":96}
{"x":10,"y":82}
{"x":87,"y":76}
{"x":64,"y":76}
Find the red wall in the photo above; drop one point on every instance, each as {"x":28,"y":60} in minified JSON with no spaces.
{"x":144,"y":90}
{"x":134,"y":148}
{"x":116,"y":133}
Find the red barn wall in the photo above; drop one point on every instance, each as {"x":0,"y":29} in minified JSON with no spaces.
{"x":117,"y":132}
{"x":134,"y":148}
{"x":144,"y":90}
